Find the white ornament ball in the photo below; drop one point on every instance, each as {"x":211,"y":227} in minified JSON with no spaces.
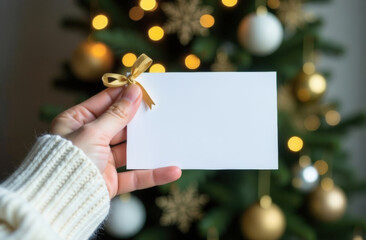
{"x":126,"y":217}
{"x":261,"y":34}
{"x":305,"y":178}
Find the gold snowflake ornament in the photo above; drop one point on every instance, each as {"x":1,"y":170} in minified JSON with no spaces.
{"x":290,"y":12}
{"x":181,"y":208}
{"x":184,"y":19}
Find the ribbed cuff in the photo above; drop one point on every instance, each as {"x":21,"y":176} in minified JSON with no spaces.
{"x":63,"y":185}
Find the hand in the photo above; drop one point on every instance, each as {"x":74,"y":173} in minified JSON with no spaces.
{"x":98,"y":127}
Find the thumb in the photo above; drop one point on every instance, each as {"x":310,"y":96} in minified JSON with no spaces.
{"x":120,"y":113}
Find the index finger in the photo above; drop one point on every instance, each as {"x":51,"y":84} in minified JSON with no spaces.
{"x":100,"y":102}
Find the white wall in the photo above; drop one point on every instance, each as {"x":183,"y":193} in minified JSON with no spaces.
{"x":32,"y":47}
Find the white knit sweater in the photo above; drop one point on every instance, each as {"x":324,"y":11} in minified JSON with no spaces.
{"x":57,"y":193}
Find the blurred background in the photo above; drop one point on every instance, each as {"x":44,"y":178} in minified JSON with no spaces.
{"x":34,"y":46}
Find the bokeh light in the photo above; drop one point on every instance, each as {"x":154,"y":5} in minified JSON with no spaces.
{"x":136,"y":13}
{"x":327,"y":184}
{"x":308,"y":68}
{"x":207,"y":20}
{"x":192,"y":62}
{"x":274,"y":4}
{"x":229,"y":3}
{"x":157,"y":67}
{"x":321,"y":166}
{"x":265,"y":201}
{"x":312,"y":122}
{"x":332,"y":117}
{"x":156,"y":33}
{"x":128,"y":59}
{"x":295,"y":144}
{"x":310,"y":174}
{"x":148,"y":5}
{"x":100,"y":22}
{"x":304,"y":161}
{"x":317,"y":83}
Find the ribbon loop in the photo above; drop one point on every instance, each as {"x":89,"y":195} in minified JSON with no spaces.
{"x":142,"y":63}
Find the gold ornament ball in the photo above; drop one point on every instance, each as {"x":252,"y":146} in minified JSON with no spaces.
{"x":259,"y":223}
{"x":309,"y":87}
{"x":91,"y":60}
{"x":328,"y":204}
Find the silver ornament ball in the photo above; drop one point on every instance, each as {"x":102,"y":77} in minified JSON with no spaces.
{"x":126,"y":217}
{"x":260,"y":33}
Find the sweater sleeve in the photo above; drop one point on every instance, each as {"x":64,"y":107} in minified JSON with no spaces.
{"x":57,"y":193}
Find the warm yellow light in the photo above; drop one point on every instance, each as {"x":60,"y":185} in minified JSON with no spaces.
{"x":321,"y":166}
{"x":157,"y":67}
{"x":304,"y":161}
{"x":332,"y":117}
{"x":312,"y":122}
{"x":100,"y":22}
{"x":308,"y":68}
{"x":317,"y":83}
{"x":136,"y":13}
{"x":229,"y":3}
{"x":192,"y":62}
{"x":148,"y":5}
{"x":265,"y":201}
{"x":156,"y":33}
{"x":327,"y":184}
{"x":128,"y":59}
{"x":295,"y":144}
{"x":274,"y":4}
{"x":98,"y":50}
{"x":207,"y":21}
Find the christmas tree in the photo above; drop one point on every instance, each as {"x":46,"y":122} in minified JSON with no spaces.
{"x":306,"y":198}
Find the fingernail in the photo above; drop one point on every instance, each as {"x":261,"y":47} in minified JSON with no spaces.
{"x":132,"y":93}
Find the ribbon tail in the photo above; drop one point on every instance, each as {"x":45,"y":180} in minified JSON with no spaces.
{"x":145,"y":96}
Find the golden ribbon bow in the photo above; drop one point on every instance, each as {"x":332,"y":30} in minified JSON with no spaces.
{"x":142,"y":63}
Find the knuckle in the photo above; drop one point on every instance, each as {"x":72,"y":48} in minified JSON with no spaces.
{"x":135,"y":182}
{"x":60,"y":119}
{"x":118,"y":112}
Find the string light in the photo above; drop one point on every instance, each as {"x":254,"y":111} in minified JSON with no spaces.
{"x":148,"y":5}
{"x":317,"y":83}
{"x":321,"y":166}
{"x":265,"y":201}
{"x":136,"y":13}
{"x":98,"y":50}
{"x":308,"y":68}
{"x":192,"y":61}
{"x":100,"y":22}
{"x":312,"y":122}
{"x":207,"y":20}
{"x":332,"y":117}
{"x":156,"y":33}
{"x":274,"y":4}
{"x":229,"y":3}
{"x":327,"y":183}
{"x":295,"y":144}
{"x":304,"y":161}
{"x":128,"y":59}
{"x":157,"y":67}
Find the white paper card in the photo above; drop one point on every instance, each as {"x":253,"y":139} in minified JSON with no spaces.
{"x":207,"y":120}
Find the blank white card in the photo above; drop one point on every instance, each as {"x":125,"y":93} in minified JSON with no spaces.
{"x":206,"y":120}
